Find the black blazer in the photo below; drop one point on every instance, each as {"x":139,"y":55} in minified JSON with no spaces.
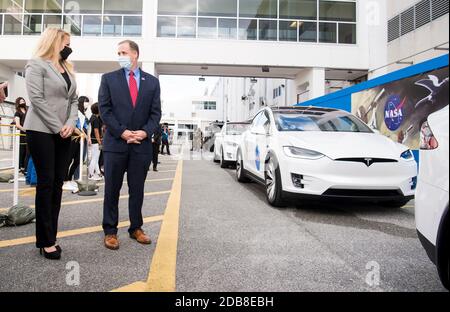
{"x":118,"y":114}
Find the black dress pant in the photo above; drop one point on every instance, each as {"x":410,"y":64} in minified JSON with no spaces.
{"x":50,"y":155}
{"x":165,"y":144}
{"x":116,"y":164}
{"x":74,"y":159}
{"x":155,"y":155}
{"x":23,"y":153}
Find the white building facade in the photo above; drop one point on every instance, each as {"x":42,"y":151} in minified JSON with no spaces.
{"x":306,"y":47}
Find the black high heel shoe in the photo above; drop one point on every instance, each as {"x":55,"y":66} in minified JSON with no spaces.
{"x":58,"y":248}
{"x":56,"y":255}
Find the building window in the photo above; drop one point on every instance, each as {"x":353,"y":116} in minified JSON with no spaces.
{"x":288,"y":30}
{"x":167,"y":26}
{"x":32,"y":24}
{"x":226,"y":8}
{"x":227,"y":28}
{"x":347,"y":33}
{"x":328,"y":32}
{"x":72,"y":24}
{"x":258,"y":8}
{"x":123,"y":7}
{"x":112,"y":26}
{"x":186,"y":27}
{"x":268,"y":30}
{"x":132,"y":26}
{"x":248,"y":29}
{"x":337,"y":11}
{"x":52,"y":21}
{"x":298,"y":9}
{"x":84,"y":6}
{"x":92,"y":26}
{"x":307,"y":32}
{"x":43,"y":6}
{"x":207,"y":28}
{"x":13,"y":25}
{"x":205,"y":105}
{"x":177,"y":7}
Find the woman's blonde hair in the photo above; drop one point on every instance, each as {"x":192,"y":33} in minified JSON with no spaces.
{"x":49,"y":47}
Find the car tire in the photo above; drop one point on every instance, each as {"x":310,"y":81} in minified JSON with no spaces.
{"x":240,"y":170}
{"x":215,"y":158}
{"x":396,"y":204}
{"x":274,"y":190}
{"x":223,"y":162}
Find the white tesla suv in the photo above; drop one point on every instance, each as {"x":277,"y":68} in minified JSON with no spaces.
{"x":227,"y":142}
{"x":432,"y":212}
{"x":319,"y":153}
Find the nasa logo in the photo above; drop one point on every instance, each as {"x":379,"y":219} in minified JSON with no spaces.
{"x":393,"y":112}
{"x":257,"y":158}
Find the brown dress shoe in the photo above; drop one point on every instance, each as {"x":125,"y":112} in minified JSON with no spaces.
{"x":111,"y":242}
{"x":141,"y":238}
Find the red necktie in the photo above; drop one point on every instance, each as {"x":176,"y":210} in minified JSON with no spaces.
{"x":133,"y":89}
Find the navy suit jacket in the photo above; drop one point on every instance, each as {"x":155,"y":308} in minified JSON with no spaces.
{"x":118,"y":114}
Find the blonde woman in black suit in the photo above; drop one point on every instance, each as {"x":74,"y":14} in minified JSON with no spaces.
{"x":50,"y":123}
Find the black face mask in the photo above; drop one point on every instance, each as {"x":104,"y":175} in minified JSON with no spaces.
{"x":65,"y":53}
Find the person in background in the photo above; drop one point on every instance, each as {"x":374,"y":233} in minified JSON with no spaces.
{"x":96,"y":143}
{"x":165,"y":140}
{"x":19,"y":119}
{"x":2,"y":91}
{"x":80,"y":132}
{"x":156,"y":141}
{"x":50,"y":123}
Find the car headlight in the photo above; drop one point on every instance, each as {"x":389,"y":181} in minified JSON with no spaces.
{"x":297,"y":152}
{"x":407,"y":155}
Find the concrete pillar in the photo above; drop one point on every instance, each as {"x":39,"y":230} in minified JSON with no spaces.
{"x":310,"y":82}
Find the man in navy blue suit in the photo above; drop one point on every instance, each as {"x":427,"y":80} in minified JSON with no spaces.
{"x":130,"y":107}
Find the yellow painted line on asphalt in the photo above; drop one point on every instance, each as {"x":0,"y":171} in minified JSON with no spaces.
{"x":162,"y":275}
{"x":99,"y":200}
{"x":71,"y":233}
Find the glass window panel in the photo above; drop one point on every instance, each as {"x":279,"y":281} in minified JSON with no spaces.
{"x":112,"y":26}
{"x":258,"y":8}
{"x":83,"y":6}
{"x":32,"y":24}
{"x":92,"y":25}
{"x":347,"y":33}
{"x":132,"y":26}
{"x":11,"y":6}
{"x":337,"y":11}
{"x":123,"y":7}
{"x":307,"y":32}
{"x":72,"y":24}
{"x":207,"y":28}
{"x":177,"y":7}
{"x":186,"y":27}
{"x":13,"y":25}
{"x":288,"y":30}
{"x":1,"y":25}
{"x":301,"y":9}
{"x":53,"y":21}
{"x":43,"y":6}
{"x":227,"y":28}
{"x":217,"y":8}
{"x":328,"y":32}
{"x":268,"y":30}
{"x":167,"y":26}
{"x":248,"y":29}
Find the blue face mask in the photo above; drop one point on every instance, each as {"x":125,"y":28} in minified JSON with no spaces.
{"x":125,"y":62}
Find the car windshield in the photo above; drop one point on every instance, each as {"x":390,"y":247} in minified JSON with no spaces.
{"x":335,"y":121}
{"x":236,"y":129}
